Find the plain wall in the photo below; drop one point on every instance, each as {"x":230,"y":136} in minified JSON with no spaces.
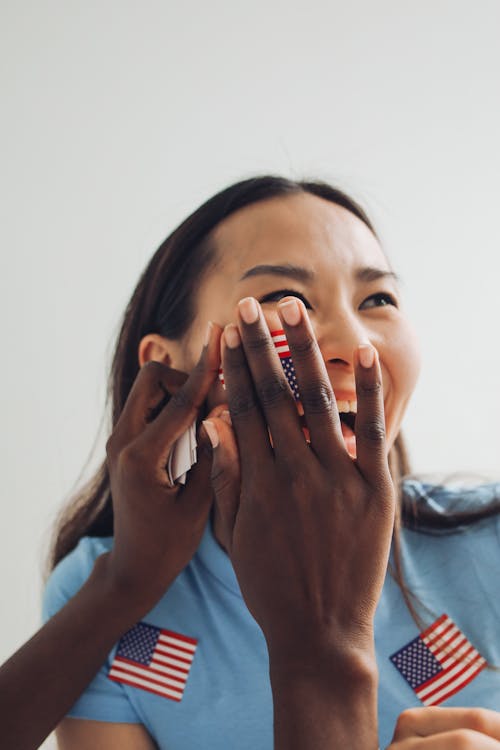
{"x":119,"y":118}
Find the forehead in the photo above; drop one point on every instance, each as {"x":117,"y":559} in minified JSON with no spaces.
{"x":301,"y":229}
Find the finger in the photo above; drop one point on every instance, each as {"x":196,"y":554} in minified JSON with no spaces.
{"x":152,"y":389}
{"x":465,"y":739}
{"x":248,"y":421}
{"x":316,"y":393}
{"x":271,"y":385}
{"x":225,"y":475}
{"x":182,"y":409}
{"x":425,"y":722}
{"x":371,"y":452}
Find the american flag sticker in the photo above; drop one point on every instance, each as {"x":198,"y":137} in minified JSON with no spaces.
{"x":439,"y":662}
{"x":154,"y":659}
{"x":285,"y":356}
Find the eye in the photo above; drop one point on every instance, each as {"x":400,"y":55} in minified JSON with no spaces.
{"x":378,"y":300}
{"x":280,"y":293}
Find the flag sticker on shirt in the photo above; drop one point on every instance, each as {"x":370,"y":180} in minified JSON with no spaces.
{"x":285,"y":355}
{"x":439,"y":662}
{"x":154,"y":659}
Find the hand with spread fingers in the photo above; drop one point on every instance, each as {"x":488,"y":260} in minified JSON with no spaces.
{"x":436,"y":728}
{"x":158,"y":526}
{"x":307,"y":527}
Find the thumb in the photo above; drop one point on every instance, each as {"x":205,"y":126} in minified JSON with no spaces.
{"x":226,"y":474}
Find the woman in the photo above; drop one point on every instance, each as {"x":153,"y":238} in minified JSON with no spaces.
{"x":306,"y":514}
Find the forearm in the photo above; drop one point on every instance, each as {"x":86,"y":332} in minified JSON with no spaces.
{"x":326,"y":708}
{"x":41,"y":681}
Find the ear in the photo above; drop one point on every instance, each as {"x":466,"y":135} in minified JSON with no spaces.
{"x":154,"y":347}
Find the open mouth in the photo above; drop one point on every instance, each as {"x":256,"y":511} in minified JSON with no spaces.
{"x":349,"y":419}
{"x":347,"y":424}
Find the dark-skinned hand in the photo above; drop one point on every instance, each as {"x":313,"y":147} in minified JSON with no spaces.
{"x":157,"y":527}
{"x":308,"y":528}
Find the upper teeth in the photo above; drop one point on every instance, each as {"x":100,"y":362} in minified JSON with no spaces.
{"x":347,"y":406}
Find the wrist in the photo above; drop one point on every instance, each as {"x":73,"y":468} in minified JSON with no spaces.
{"x":351,"y":653}
{"x":126,"y":602}
{"x":340,"y":670}
{"x":326,"y":702}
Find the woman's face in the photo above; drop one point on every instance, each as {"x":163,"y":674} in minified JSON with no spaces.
{"x":309,"y":247}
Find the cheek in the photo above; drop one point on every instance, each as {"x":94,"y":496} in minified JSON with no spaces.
{"x":403,"y":361}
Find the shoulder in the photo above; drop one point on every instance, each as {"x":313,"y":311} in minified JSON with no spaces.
{"x":71,"y":572}
{"x":429,"y":502}
{"x":451,"y":528}
{"x":451,"y":555}
{"x":450,"y":539}
{"x":458,"y":495}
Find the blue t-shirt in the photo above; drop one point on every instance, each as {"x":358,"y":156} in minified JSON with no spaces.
{"x":194,"y":672}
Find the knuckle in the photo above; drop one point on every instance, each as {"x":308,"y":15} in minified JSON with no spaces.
{"x":182,"y":400}
{"x":406,"y":720}
{"x":477,"y":719}
{"x":463,"y":739}
{"x":371,"y":389}
{"x":131,"y":461}
{"x":373,"y":431}
{"x":303,"y":350}
{"x":259,"y":343}
{"x":235,"y":369}
{"x":272,"y":390}
{"x":242,"y":405}
{"x":317,"y":397}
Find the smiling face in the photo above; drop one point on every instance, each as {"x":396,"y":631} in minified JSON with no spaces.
{"x":309,"y":247}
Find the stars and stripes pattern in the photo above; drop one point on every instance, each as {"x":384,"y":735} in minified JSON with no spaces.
{"x":439,"y":662}
{"x":154,"y":659}
{"x":281,"y":344}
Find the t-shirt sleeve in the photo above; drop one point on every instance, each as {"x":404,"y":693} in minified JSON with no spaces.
{"x":103,"y":699}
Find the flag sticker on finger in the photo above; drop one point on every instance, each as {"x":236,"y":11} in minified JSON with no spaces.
{"x":283,"y":350}
{"x":285,"y":356}
{"x":154,"y":659}
{"x":439,"y":662}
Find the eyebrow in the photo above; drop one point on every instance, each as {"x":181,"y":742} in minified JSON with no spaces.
{"x":370,"y":273}
{"x":366,"y":274}
{"x":288,"y":269}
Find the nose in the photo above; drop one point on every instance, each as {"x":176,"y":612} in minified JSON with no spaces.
{"x":339,"y":337}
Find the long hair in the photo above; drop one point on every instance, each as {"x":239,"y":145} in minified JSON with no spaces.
{"x":164,"y":302}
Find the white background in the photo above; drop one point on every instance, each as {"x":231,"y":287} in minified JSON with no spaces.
{"x":119,"y":118}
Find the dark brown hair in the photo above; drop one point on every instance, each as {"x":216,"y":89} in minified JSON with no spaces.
{"x":164,"y":303}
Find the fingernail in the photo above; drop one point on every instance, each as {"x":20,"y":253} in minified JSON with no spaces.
{"x":226,"y":417}
{"x":207,"y":333}
{"x":290,"y":311}
{"x":232,"y":336}
{"x":248,"y":309}
{"x":211,"y":432}
{"x":366,"y":355}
